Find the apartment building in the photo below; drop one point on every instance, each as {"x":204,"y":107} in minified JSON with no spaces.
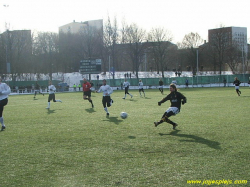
{"x":230,"y":35}
{"x":76,"y":27}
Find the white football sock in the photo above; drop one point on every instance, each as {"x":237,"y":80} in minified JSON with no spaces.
{"x":106,"y":109}
{"x":1,"y":121}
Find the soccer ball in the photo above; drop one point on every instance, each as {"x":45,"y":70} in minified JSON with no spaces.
{"x":124,"y":115}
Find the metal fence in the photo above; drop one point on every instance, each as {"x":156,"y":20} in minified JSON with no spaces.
{"x":216,"y":80}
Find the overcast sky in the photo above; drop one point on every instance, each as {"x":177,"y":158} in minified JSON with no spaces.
{"x":178,"y":16}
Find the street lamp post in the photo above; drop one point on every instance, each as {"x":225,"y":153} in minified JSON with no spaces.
{"x":197,"y":64}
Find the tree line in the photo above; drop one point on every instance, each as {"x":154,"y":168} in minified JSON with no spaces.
{"x":125,"y":48}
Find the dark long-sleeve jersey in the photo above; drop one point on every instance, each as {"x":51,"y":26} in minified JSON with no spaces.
{"x":236,"y":82}
{"x":161,"y":83}
{"x":176,"y":99}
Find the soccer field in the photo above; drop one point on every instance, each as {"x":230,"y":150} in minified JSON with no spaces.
{"x":74,"y":145}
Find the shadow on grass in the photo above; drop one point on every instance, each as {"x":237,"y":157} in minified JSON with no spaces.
{"x":113,"y":120}
{"x":131,"y":137}
{"x":193,"y":138}
{"x":50,"y":111}
{"x":90,"y":110}
{"x":131,"y":99}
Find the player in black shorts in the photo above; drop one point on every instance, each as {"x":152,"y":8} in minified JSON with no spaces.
{"x":161,"y":86}
{"x":176,"y":99}
{"x":237,"y":85}
{"x":140,"y":85}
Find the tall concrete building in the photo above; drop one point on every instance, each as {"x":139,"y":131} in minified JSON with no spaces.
{"x":231,"y":35}
{"x":76,"y":27}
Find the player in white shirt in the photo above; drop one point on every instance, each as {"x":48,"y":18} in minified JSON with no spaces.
{"x":52,"y":96}
{"x":4,"y":92}
{"x":174,"y":82}
{"x":140,"y":85}
{"x":126,"y":85}
{"x":106,"y":99}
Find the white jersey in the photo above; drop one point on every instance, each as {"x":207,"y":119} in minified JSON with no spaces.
{"x":4,"y":91}
{"x":126,"y":84}
{"x":140,"y":84}
{"x":106,"y":89}
{"x":51,"y":89}
{"x":174,"y":82}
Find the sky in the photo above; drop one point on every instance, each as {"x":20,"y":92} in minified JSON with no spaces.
{"x":180,"y":17}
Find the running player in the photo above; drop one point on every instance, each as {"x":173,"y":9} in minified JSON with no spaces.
{"x":140,"y":84}
{"x":161,"y":86}
{"x":237,"y":85}
{"x":126,"y":85}
{"x":176,"y":99}
{"x":106,"y":99}
{"x":52,"y":96}
{"x":37,"y":90}
{"x":87,"y":91}
{"x":4,"y":92}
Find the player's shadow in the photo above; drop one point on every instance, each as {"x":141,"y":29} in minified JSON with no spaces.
{"x":114,"y":120}
{"x":131,"y":99}
{"x":194,"y":138}
{"x":50,"y":111}
{"x":147,"y":97}
{"x":90,"y":110}
{"x":131,"y":137}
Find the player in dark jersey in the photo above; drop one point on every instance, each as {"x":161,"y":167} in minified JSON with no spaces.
{"x":176,"y":99}
{"x":237,"y":85}
{"x":161,"y":86}
{"x":37,"y":90}
{"x":86,"y":91}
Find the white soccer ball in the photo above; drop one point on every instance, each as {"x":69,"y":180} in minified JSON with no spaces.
{"x":124,"y":115}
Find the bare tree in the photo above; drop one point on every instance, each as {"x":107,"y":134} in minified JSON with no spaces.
{"x":191,"y":42}
{"x":219,"y":45}
{"x":110,"y":40}
{"x":135,"y":39}
{"x":46,"y":48}
{"x":233,"y":57}
{"x":18,"y":51}
{"x":161,"y":44}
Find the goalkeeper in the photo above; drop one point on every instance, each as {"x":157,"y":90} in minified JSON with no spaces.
{"x":176,"y":99}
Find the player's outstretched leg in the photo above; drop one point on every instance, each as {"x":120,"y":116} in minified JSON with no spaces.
{"x":165,"y":118}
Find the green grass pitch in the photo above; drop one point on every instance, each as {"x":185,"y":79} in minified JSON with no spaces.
{"x":74,"y":145}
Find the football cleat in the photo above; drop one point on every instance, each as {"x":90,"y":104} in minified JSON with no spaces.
{"x":3,"y":127}
{"x":156,"y":124}
{"x":174,"y":126}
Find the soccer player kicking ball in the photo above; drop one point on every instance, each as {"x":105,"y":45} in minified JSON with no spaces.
{"x":106,"y":99}
{"x":176,"y":99}
{"x":52,"y":96}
